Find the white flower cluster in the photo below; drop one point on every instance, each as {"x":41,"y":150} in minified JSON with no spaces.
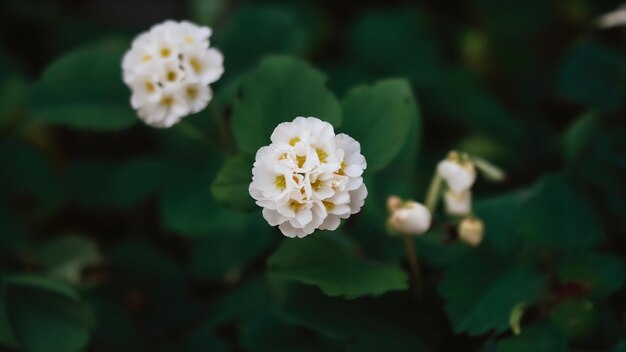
{"x":169,"y":69}
{"x":459,"y":173}
{"x":308,"y":178}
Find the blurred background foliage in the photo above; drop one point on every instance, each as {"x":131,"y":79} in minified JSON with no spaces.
{"x":119,"y":237}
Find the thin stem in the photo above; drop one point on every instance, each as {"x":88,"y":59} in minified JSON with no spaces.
{"x":432,"y":197}
{"x":411,"y":254}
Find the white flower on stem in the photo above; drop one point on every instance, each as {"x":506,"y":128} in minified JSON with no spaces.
{"x":458,"y":171}
{"x":411,"y":218}
{"x":169,"y":69}
{"x":471,"y":231}
{"x":308,"y":178}
{"x":458,"y":203}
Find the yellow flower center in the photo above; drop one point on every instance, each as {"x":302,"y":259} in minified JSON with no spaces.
{"x":280,"y":182}
{"x":321,"y":154}
{"x":293,"y":141}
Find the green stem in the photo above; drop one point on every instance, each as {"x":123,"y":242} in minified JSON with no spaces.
{"x":414,"y":270}
{"x":432,"y":196}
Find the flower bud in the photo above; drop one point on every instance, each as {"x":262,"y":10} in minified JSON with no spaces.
{"x":458,"y":171}
{"x":393,"y":203}
{"x":411,"y":218}
{"x":458,"y":203}
{"x":471,"y":231}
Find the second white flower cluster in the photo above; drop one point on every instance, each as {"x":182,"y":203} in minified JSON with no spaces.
{"x":308,"y":178}
{"x":169,"y":69}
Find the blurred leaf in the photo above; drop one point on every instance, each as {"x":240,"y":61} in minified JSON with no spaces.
{"x":256,"y":31}
{"x":575,"y":317}
{"x":84,"y":89}
{"x":481,"y":291}
{"x":335,"y":319}
{"x":557,"y":217}
{"x":205,"y":12}
{"x":13,"y":93}
{"x":233,"y":242}
{"x":539,"y":337}
{"x":579,"y":134}
{"x":379,"y":118}
{"x":500,"y":214}
{"x":602,"y":273}
{"x":46,"y":316}
{"x":203,"y":339}
{"x":123,"y":185}
{"x":594,"y":75}
{"x":246,"y":301}
{"x":25,"y":170}
{"x":281,"y":89}
{"x":324,"y":262}
{"x":230,"y":187}
{"x":270,"y":333}
{"x":64,"y":258}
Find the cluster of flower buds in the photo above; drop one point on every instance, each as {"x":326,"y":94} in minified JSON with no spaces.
{"x":459,"y":174}
{"x":169,"y":69}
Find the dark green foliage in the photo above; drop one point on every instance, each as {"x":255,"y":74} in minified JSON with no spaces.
{"x":115,"y":236}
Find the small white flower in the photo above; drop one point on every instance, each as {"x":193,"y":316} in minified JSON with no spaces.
{"x":458,"y":203}
{"x":458,"y":171}
{"x":411,"y":218}
{"x":471,"y":231}
{"x":169,"y":69}
{"x":308,"y":178}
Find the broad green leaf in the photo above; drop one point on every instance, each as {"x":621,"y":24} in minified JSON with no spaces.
{"x":322,"y":261}
{"x":579,"y":135}
{"x":270,"y":333}
{"x":205,"y":12}
{"x":204,"y":339}
{"x":335,"y":318}
{"x":281,"y":89}
{"x":379,"y":117}
{"x":255,"y":31}
{"x":557,"y":217}
{"x":118,"y":185}
{"x":233,"y":241}
{"x":481,"y":291}
{"x":84,"y":89}
{"x":594,"y":75}
{"x":576,"y":318}
{"x":46,"y":316}
{"x":539,"y":337}
{"x":500,"y":214}
{"x":64,"y":258}
{"x":13,"y":93}
{"x":603,"y":274}
{"x":230,"y":187}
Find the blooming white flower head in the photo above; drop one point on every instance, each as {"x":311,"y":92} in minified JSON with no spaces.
{"x":411,"y":218}
{"x":471,"y":231}
{"x":458,"y":171}
{"x":308,"y":178}
{"x":169,"y":69}
{"x":458,"y":203}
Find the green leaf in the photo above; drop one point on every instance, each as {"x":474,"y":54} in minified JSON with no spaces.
{"x":481,"y":291}
{"x":230,"y":187}
{"x":205,"y":12}
{"x":121,"y":185}
{"x":539,"y":337}
{"x":579,"y":135}
{"x":233,"y":241}
{"x":557,"y":217}
{"x":379,"y":118}
{"x":500,"y":214}
{"x":575,"y":317}
{"x":65,"y":258}
{"x":47,"y":316}
{"x":84,"y":89}
{"x":324,"y":262}
{"x":603,"y":274}
{"x":281,"y":89}
{"x":255,"y":31}
{"x":594,"y":75}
